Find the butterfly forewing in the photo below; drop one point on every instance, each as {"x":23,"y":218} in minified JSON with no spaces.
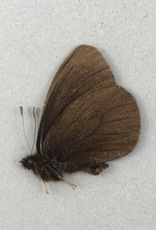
{"x":85,"y":69}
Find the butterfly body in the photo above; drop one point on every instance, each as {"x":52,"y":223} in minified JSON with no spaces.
{"x":86,"y":121}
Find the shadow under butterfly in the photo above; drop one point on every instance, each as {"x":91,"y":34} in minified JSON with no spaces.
{"x":87,"y":119}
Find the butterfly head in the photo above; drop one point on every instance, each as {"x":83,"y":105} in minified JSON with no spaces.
{"x":28,"y":162}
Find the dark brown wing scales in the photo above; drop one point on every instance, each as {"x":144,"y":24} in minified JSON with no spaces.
{"x":99,"y":126}
{"x":85,"y":69}
{"x":87,"y":119}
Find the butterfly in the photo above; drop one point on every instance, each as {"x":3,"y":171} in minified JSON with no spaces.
{"x":87,"y":119}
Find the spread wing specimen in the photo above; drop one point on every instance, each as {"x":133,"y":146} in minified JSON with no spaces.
{"x":87,"y":119}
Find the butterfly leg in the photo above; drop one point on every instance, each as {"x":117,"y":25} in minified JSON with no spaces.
{"x":38,"y":172}
{"x":97,"y":169}
{"x":55,"y":173}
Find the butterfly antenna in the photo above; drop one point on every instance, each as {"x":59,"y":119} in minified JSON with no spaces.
{"x":21,"y":112}
{"x":34,"y":130}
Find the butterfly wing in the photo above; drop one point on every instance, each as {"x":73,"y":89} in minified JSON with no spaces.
{"x":83,"y":71}
{"x":100,"y":125}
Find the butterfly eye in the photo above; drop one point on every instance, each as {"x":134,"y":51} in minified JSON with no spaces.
{"x":29,"y":162}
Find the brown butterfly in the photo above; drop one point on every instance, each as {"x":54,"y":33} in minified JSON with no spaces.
{"x":87,"y":119}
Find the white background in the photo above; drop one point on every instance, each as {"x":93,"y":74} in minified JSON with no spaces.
{"x":35,"y":37}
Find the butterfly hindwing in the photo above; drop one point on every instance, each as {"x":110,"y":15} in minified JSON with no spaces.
{"x":99,"y":126}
